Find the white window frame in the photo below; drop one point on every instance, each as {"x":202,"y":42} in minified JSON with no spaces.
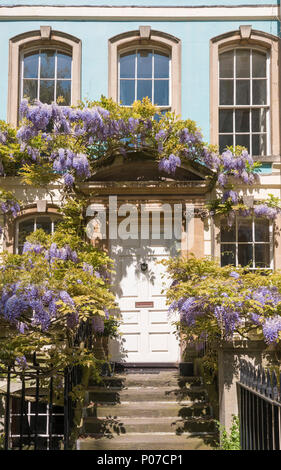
{"x":53,"y":218}
{"x":38,"y":50}
{"x":250,"y":106}
{"x":45,"y":38}
{"x":153,"y":50}
{"x":31,"y":414}
{"x":253,"y":243}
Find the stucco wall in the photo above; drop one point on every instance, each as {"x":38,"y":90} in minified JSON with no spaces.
{"x":195,"y":37}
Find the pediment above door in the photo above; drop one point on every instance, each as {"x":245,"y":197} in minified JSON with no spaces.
{"x":138,"y":167}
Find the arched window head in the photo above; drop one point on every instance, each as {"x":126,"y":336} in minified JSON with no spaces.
{"x":44,"y":65}
{"x":245,"y":92}
{"x":145,"y":63}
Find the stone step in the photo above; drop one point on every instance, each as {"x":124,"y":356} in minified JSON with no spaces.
{"x":151,"y":409}
{"x":148,"y":442}
{"x":141,"y":394}
{"x":113,"y":426}
{"x":165,"y":379}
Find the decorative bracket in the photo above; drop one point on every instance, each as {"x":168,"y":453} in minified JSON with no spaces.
{"x":145,"y":32}
{"x":45,"y":32}
{"x":245,"y":32}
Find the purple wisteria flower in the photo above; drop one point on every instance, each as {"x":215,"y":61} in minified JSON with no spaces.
{"x":234,"y":274}
{"x":232,"y":195}
{"x":169,"y":165}
{"x":272,"y":329}
{"x":21,"y":362}
{"x":68,"y":179}
{"x":88,"y":268}
{"x":263,"y":210}
{"x":32,"y":247}
{"x":65,"y":297}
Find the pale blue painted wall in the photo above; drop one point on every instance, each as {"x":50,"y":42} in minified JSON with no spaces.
{"x":194,"y":35}
{"x":140,"y":2}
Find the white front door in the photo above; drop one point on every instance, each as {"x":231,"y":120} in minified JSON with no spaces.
{"x":147,"y":329}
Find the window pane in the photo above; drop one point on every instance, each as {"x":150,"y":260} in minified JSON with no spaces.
{"x":30,"y":90}
{"x":47,"y":90}
{"x":227,"y":233}
{"x":225,"y":141}
{"x":44,"y":223}
{"x":41,"y":424}
{"x":225,"y":120}
{"x":161,"y":92}
{"x":144,"y":89}
{"x":242,"y":63}
{"x":127,"y":92}
{"x":228,"y":255}
{"x":157,"y":117}
{"x":259,"y":144}
{"x":242,"y":91}
{"x":245,"y":255}
{"x":242,"y":120}
{"x":161,"y":65}
{"x":262,"y":256}
{"x":259,"y":120}
{"x":144,"y":64}
{"x":259,"y":64}
{"x":64,"y":92}
{"x":243,"y":140}
{"x":226,"y":91}
{"x":47,"y":64}
{"x":226,"y":64}
{"x":244,"y":230}
{"x":261,"y":230}
{"x":127,"y":65}
{"x":30,"y":69}
{"x":259,"y":92}
{"x":64,"y":63}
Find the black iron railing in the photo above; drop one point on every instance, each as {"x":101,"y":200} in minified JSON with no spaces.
{"x":34,"y":418}
{"x":259,"y":394}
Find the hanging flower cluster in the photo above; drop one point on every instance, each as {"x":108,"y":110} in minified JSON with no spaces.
{"x":71,"y":143}
{"x":222,"y":303}
{"x":74,"y":141}
{"x":37,"y":303}
{"x":9,"y":205}
{"x":92,"y":134}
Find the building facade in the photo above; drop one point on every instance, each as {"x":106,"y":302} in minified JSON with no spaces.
{"x":216,"y":62}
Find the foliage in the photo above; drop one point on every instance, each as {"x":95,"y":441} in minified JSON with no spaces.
{"x":231,"y":440}
{"x":48,"y":293}
{"x":217,"y":303}
{"x":69,"y":144}
{"x":111,"y":325}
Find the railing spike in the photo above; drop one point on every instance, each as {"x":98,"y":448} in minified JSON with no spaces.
{"x":259,"y":379}
{"x":274,"y":386}
{"x":263,"y":382}
{"x":245,"y":372}
{"x":255,"y":379}
{"x":250,"y":382}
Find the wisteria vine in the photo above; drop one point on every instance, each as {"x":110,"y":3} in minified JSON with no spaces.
{"x":71,"y":143}
{"x":223,"y":303}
